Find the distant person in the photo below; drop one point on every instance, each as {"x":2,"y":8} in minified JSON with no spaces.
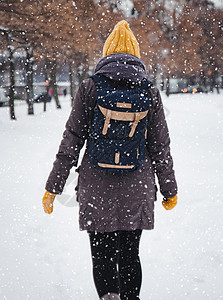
{"x":65,"y":92}
{"x":121,"y":116}
{"x":51,"y":93}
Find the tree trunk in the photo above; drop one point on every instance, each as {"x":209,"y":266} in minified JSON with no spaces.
{"x":54,"y":84}
{"x":71,"y":76}
{"x":216,"y":83}
{"x":202,"y":78}
{"x":212,"y":83}
{"x":47,"y":86}
{"x":29,"y":81}
{"x":154,"y":74}
{"x":47,"y":91}
{"x":168,"y":86}
{"x":162,"y":83}
{"x":12,"y":84}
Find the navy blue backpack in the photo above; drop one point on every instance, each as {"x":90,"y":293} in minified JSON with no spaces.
{"x":118,"y":132}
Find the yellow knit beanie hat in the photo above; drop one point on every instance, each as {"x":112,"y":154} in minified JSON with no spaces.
{"x":122,"y":40}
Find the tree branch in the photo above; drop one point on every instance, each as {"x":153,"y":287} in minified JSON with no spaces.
{"x":21,"y":13}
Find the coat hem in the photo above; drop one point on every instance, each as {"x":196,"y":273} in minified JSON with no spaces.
{"x":125,"y":228}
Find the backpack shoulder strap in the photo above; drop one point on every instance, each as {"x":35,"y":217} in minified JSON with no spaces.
{"x":101,"y":81}
{"x":146,"y":84}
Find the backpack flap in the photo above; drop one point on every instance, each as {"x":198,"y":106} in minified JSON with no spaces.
{"x":134,"y":117}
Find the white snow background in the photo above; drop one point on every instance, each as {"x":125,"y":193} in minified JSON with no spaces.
{"x":47,"y":257}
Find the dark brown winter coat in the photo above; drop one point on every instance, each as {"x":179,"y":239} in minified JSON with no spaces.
{"x":110,"y":202}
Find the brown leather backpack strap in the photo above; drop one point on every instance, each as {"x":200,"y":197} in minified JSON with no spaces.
{"x":107,"y":121}
{"x":135,"y":123}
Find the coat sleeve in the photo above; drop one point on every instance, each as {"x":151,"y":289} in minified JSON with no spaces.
{"x":74,"y":136}
{"x":158,"y":145}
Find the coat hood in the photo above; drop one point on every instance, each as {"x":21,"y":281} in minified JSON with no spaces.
{"x":122,"y":66}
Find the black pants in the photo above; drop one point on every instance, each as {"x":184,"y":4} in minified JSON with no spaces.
{"x":116,"y":263}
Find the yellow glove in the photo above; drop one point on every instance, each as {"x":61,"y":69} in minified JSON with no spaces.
{"x":47,"y":201}
{"x":170,"y":203}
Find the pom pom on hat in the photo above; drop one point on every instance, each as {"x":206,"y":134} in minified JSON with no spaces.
{"x":121,"y":40}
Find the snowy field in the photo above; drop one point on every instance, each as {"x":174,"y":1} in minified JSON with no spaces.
{"x":46,"y":257}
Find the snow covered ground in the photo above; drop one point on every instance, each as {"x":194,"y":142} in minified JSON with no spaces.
{"x":47,"y":257}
